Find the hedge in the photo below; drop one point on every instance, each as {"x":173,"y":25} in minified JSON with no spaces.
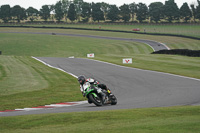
{"x":185,"y":52}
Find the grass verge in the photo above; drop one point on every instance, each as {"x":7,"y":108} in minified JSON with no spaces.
{"x":171,"y":42}
{"x":26,"y":82}
{"x":184,"y":119}
{"x":177,"y":29}
{"x":180,"y":65}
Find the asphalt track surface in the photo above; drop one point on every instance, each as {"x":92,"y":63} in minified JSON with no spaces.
{"x":156,"y":46}
{"x":134,"y":88}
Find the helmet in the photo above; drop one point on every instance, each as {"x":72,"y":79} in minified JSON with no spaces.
{"x":81,"y":79}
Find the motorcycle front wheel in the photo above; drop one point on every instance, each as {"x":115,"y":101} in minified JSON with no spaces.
{"x":113,"y":100}
{"x":96,"y":100}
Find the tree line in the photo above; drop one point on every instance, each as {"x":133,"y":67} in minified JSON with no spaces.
{"x":78,"y":10}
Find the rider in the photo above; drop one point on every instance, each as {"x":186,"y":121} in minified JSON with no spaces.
{"x":83,"y":82}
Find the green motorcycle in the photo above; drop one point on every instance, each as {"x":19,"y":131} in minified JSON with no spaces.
{"x":99,"y":96}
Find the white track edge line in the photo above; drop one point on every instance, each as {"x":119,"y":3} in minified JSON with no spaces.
{"x":118,"y":66}
{"x":54,"y":67}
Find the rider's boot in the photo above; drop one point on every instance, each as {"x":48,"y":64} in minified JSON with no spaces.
{"x":103,"y":95}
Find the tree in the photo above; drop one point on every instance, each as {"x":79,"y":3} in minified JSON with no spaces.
{"x":155,"y":11}
{"x":133,"y":9}
{"x":18,"y":13}
{"x":65,"y":7}
{"x":52,"y":9}
{"x":45,"y":12}
{"x":58,"y":11}
{"x":97,"y":13}
{"x":142,"y":12}
{"x":105,"y":8}
{"x":193,"y":12}
{"x":32,"y":13}
{"x":72,"y":12}
{"x":198,"y":10}
{"x":113,"y":13}
{"x":125,"y":12}
{"x":5,"y":13}
{"x":185,"y":12}
{"x":78,"y":4}
{"x":171,"y":10}
{"x":86,"y":11}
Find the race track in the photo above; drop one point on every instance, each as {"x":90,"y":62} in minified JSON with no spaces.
{"x":156,"y":46}
{"x":134,"y":88}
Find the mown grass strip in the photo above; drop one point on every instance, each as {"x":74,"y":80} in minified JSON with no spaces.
{"x":20,"y":77}
{"x":2,"y":72}
{"x":151,"y":120}
{"x":29,"y":83}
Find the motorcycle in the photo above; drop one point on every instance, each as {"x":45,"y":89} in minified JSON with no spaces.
{"x":93,"y":94}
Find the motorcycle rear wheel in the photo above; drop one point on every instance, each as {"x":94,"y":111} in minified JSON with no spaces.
{"x":96,"y":100}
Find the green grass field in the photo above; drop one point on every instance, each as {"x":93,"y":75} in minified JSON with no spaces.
{"x":151,"y":120}
{"x":172,"y":42}
{"x":16,"y":62}
{"x":177,"y":29}
{"x":25,"y":81}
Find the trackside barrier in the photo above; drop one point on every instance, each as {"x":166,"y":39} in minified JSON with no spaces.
{"x":90,"y":55}
{"x":127,"y":61}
